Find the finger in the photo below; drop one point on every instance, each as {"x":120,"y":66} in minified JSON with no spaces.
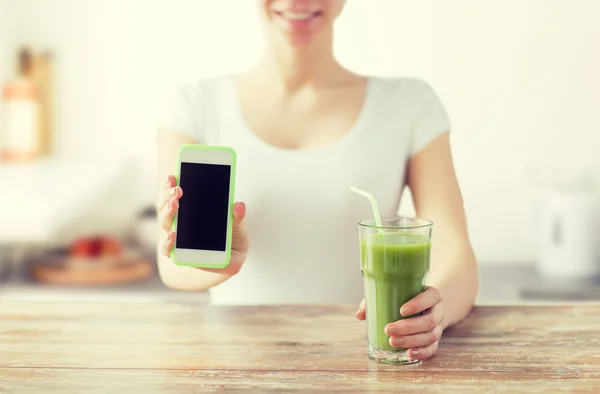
{"x":169,"y":243}
{"x":240,"y":240}
{"x":169,"y":184}
{"x":171,"y":193}
{"x":416,"y":325}
{"x":417,"y":340}
{"x":423,"y":353}
{"x":361,"y":314}
{"x":167,"y":214}
{"x":422,"y":302}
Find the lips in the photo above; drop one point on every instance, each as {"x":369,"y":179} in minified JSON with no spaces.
{"x":298,"y":16}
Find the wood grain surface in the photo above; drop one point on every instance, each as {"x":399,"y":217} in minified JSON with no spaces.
{"x":175,"y":347}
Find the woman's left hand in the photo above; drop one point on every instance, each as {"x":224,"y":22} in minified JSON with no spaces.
{"x":420,"y":334}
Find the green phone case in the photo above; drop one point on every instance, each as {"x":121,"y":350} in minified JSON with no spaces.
{"x":230,"y":211}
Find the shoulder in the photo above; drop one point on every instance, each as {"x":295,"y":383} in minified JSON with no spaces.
{"x":193,"y":99}
{"x":184,"y":108}
{"x":410,"y":88}
{"x":413,"y":98}
{"x":199,"y":91}
{"x":414,"y":102}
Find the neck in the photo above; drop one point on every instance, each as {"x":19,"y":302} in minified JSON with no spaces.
{"x":296,"y":66}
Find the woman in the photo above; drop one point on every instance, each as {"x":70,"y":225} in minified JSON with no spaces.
{"x":305,"y":129}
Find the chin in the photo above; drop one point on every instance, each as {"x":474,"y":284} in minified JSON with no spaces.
{"x":300,"y":41}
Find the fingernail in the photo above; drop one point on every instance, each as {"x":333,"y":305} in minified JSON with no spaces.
{"x":414,"y":353}
{"x":168,"y":179}
{"x":398,"y":341}
{"x":172,"y":192}
{"x":406,"y":311}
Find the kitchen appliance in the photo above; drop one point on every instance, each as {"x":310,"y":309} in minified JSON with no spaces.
{"x":568,"y":232}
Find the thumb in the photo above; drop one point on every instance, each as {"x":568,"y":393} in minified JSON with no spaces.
{"x":239,"y":213}
{"x":361,"y":314}
{"x":239,"y":233}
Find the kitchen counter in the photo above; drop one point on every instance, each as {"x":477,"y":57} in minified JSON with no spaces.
{"x":499,"y":285}
{"x":176,"y":347}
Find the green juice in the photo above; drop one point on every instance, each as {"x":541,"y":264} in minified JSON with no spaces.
{"x":394,"y":266}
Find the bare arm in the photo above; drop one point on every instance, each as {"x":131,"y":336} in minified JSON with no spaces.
{"x":453,"y":279}
{"x":437,"y":197}
{"x":172,"y":275}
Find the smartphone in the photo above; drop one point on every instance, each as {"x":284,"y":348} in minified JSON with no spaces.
{"x":204,"y":220}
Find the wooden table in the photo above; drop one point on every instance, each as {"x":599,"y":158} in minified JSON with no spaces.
{"x":177,"y":348}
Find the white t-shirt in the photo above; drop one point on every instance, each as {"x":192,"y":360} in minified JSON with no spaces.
{"x":301,"y":216}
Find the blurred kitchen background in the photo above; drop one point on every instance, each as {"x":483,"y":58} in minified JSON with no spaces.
{"x":82,"y":82}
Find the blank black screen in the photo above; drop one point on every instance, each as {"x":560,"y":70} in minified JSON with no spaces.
{"x":203,"y":208}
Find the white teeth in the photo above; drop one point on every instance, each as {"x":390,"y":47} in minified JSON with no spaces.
{"x":295,"y":16}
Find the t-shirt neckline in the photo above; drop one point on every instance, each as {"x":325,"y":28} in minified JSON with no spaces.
{"x":358,"y":127}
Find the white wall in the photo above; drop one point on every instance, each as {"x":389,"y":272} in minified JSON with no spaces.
{"x":524,"y":93}
{"x":519,"y":78}
{"x":3,"y":41}
{"x":6,"y":29}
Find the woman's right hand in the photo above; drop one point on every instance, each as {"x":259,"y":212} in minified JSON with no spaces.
{"x":239,"y":243}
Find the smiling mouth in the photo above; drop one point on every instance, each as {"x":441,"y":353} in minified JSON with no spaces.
{"x":298,"y":16}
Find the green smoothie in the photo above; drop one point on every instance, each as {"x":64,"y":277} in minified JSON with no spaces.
{"x":394,"y":266}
